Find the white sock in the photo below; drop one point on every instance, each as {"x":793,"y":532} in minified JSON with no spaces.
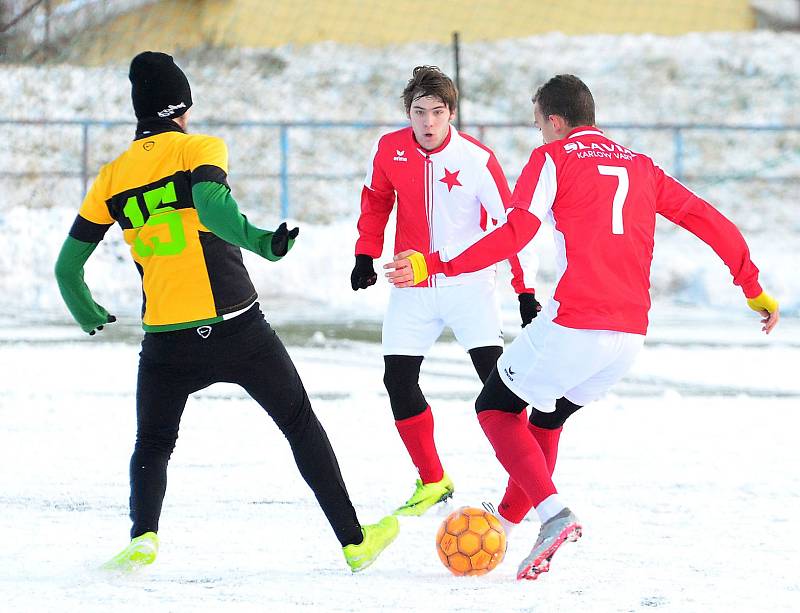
{"x":508,"y":525}
{"x":549,"y":507}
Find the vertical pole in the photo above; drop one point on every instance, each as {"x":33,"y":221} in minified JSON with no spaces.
{"x":284,"y":171}
{"x":457,"y":61}
{"x":84,"y":157}
{"x":678,"y":144}
{"x":47,"y":11}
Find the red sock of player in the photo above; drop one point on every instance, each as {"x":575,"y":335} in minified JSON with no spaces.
{"x":417,"y":435}
{"x":516,"y":504}
{"x":519,"y":454}
{"x":548,"y":441}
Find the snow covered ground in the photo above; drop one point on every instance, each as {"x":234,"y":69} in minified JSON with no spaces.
{"x":685,"y":479}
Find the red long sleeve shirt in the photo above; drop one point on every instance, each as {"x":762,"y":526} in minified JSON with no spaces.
{"x":444,"y":196}
{"x":601,"y":199}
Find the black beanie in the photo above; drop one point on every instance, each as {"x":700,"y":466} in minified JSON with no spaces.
{"x":158,"y":87}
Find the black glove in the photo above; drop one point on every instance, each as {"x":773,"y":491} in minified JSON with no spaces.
{"x":111,"y":319}
{"x":283,"y":239}
{"x":529,"y":308}
{"x":363,"y":274}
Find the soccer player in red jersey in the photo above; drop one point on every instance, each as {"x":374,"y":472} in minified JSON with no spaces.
{"x":447,"y":186}
{"x":601,"y":199}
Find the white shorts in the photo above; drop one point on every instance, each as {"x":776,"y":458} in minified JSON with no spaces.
{"x":548,"y":361}
{"x":416,"y":317}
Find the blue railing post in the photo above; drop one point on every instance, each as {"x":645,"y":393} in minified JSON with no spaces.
{"x":284,"y":171}
{"x":678,"y":143}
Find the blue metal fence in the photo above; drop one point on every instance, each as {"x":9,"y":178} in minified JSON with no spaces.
{"x":678,"y":134}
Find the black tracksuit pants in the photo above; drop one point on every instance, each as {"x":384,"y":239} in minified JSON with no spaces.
{"x":244,"y":350}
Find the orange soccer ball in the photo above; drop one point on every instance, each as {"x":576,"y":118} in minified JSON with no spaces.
{"x":471,"y":542}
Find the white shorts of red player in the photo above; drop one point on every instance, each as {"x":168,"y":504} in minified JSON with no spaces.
{"x":548,"y":361}
{"x":416,"y":317}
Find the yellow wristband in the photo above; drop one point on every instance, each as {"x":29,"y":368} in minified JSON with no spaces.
{"x":763,"y":302}
{"x":419,"y":266}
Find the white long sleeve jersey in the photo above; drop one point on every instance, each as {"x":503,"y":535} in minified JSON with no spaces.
{"x":445,"y":196}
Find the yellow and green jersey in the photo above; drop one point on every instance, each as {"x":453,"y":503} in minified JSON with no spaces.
{"x":158,"y":191}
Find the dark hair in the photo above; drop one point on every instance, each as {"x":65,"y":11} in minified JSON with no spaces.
{"x":430,"y":81}
{"x":568,"y":96}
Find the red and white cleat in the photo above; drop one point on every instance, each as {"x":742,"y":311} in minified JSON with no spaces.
{"x":553,"y":533}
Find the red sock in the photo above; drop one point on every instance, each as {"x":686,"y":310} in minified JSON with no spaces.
{"x":417,"y":435}
{"x":516,"y":504}
{"x":519,"y":454}
{"x":548,"y":441}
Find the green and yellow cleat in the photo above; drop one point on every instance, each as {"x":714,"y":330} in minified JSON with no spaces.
{"x":140,"y":552}
{"x":426,"y":495}
{"x":377,"y":537}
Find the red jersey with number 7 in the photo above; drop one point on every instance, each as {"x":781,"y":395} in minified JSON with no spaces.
{"x":602,"y":199}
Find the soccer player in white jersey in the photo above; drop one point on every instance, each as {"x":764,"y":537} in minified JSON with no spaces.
{"x":601,"y":199}
{"x":448,"y":186}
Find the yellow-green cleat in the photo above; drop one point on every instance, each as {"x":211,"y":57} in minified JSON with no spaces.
{"x":426,"y":495}
{"x":377,"y":537}
{"x":140,"y":552}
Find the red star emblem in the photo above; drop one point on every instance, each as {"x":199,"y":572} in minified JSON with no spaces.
{"x":450,"y":179}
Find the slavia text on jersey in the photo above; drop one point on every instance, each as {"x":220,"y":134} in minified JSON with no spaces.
{"x":599,"y":150}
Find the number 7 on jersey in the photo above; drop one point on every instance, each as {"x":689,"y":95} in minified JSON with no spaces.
{"x":619,"y":196}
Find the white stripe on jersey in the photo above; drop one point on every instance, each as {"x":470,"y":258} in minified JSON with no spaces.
{"x":550,"y":309}
{"x":429,"y":209}
{"x":587,"y":132}
{"x":545,"y":193}
{"x":371,"y":169}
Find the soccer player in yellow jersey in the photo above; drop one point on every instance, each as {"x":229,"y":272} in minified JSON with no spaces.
{"x":169,"y":193}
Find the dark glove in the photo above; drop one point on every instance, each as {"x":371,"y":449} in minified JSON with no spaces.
{"x":283,"y":239}
{"x":363,"y":274}
{"x":529,"y":308}
{"x":110,"y":320}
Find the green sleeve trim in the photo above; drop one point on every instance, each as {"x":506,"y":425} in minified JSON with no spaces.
{"x":76,"y":294}
{"x":183,"y":325}
{"x":219,"y":212}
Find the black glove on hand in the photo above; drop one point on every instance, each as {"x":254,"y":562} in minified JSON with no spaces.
{"x":111,"y":319}
{"x":529,"y":308}
{"x":363,"y":274}
{"x":282,"y":239}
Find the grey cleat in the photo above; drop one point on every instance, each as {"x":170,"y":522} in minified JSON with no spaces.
{"x":553,"y":533}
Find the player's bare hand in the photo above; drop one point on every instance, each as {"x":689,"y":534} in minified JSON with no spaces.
{"x":401,"y":273}
{"x":770,"y":319}
{"x":767,"y":307}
